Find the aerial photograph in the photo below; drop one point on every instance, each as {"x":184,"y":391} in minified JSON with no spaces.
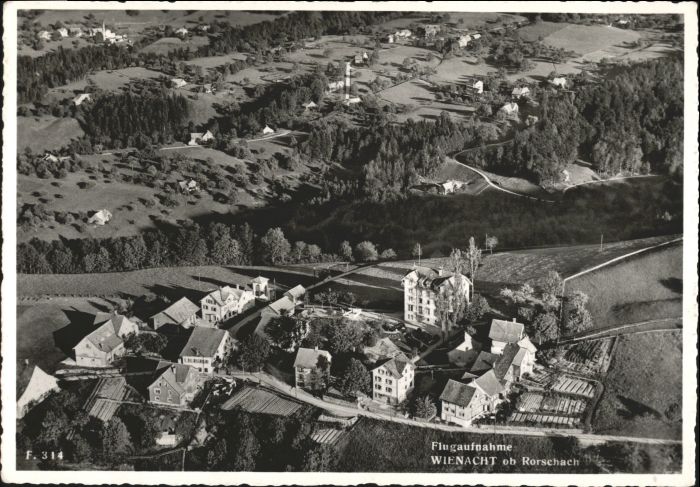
{"x":349,"y":241}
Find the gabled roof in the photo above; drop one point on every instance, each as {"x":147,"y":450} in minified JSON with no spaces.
{"x":489,"y":383}
{"x":484,"y":361}
{"x":175,"y":374}
{"x":457,"y":393}
{"x":104,"y":337}
{"x":505,"y":360}
{"x":527,"y":344}
{"x":260,"y":280}
{"x":431,"y":278}
{"x":506,"y":331}
{"x":180,"y":311}
{"x":520,"y":90}
{"x":223,"y":293}
{"x":40,"y":384}
{"x":396,"y":366}
{"x":297,"y":292}
{"x":281,"y":305}
{"x":384,"y":347}
{"x":203,"y":342}
{"x":308,"y":357}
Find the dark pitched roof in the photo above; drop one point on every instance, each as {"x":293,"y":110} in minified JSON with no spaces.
{"x":296,"y":293}
{"x":457,"y":393}
{"x":395,"y":365}
{"x":506,"y":331}
{"x":484,"y":361}
{"x":179,"y":311}
{"x":505,"y":360}
{"x":203,"y":342}
{"x":174,"y":374}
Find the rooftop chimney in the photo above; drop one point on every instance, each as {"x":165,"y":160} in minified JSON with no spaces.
{"x":514,"y":321}
{"x":440,"y":271}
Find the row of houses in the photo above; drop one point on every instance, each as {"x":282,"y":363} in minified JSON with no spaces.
{"x":99,"y":34}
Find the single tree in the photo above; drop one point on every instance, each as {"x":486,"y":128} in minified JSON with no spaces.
{"x":346,"y":251}
{"x":417,"y":252}
{"x":472,"y":259}
{"x":425,"y":408}
{"x":274,"y":246}
{"x":356,"y":378}
{"x":491,"y":243}
{"x":366,"y":251}
{"x":254,"y":352}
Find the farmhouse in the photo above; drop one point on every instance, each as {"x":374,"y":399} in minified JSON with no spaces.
{"x":182,"y":32}
{"x":100,"y":217}
{"x":520,"y":92}
{"x":106,"y":343}
{"x":310,"y":370}
{"x":509,"y":108}
{"x":353,"y":100}
{"x":182,"y":312}
{"x":403,"y":34}
{"x":359,"y":60}
{"x":83,"y":97}
{"x":463,"y":40}
{"x":392,"y":379}
{"x":267,"y":130}
{"x":422,"y":287}
{"x":206,"y":347}
{"x":178,"y":82}
{"x":390,"y":38}
{"x":478,"y":86}
{"x":261,"y":287}
{"x":44,"y":35}
{"x":197,"y":138}
{"x":226,"y":302}
{"x":75,"y":31}
{"x":450,"y":186}
{"x":40,"y":386}
{"x":559,"y":81}
{"x":310,"y":106}
{"x":173,"y":385}
{"x":188,"y":187}
{"x":63,"y":32}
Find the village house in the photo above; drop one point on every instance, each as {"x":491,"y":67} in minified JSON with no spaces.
{"x":358,"y":60}
{"x":100,"y":217}
{"x":478,"y":86}
{"x":188,"y":187}
{"x":392,"y":379}
{"x":463,"y":41}
{"x":39,"y":387}
{"x":488,"y":375}
{"x":520,"y":92}
{"x":226,"y":302}
{"x":197,"y":138}
{"x":285,"y":306}
{"x":62,"y":31}
{"x":178,"y":82}
{"x":403,"y":34}
{"x":206,"y":347}
{"x":182,"y":312}
{"x":261,"y":287}
{"x":83,"y":97}
{"x":105,"y":343}
{"x":449,"y":187}
{"x":309,"y":372}
{"x":509,"y":109}
{"x":75,"y":31}
{"x":310,"y":106}
{"x":173,"y":385}
{"x":352,"y":100}
{"x":422,"y":286}
{"x":268,"y":130}
{"x":503,"y":332}
{"x":335,"y":86}
{"x":463,"y":403}
{"x":559,"y":82}
{"x":182,"y":32}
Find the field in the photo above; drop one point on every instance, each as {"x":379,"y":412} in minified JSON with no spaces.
{"x":585,"y":39}
{"x":646,"y":287}
{"x":46,"y":133}
{"x":420,"y":95}
{"x":43,"y":335}
{"x":643,"y":388}
{"x":166,"y":44}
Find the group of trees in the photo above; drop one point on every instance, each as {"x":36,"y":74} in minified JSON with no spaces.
{"x":630,"y":122}
{"x":546,"y":311}
{"x":122,"y":119}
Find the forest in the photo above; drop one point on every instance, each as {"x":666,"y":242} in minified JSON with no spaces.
{"x":118,"y":120}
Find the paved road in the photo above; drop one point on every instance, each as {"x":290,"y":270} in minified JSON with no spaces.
{"x":349,"y":411}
